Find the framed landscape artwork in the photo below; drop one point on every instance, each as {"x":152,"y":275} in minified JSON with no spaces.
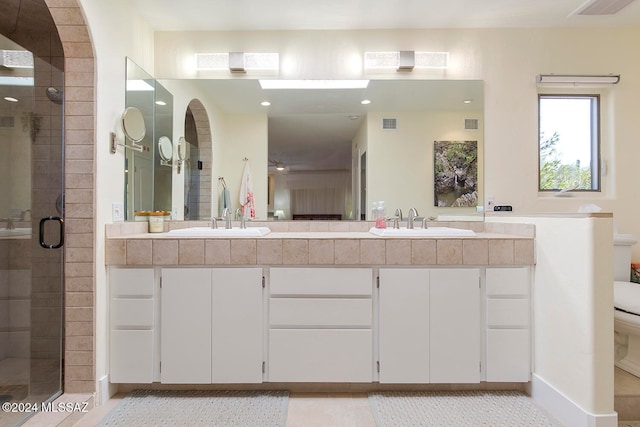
{"x":455,"y":173}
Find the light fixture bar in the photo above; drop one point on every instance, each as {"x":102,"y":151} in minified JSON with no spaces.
{"x":405,"y":60}
{"x":434,"y":60}
{"x":313,"y":84}
{"x":16,"y":58}
{"x":237,"y":62}
{"x":578,"y":80}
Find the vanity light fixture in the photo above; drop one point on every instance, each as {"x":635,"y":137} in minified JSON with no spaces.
{"x":405,"y":60}
{"x":16,"y":59}
{"x":237,"y":62}
{"x":313,"y":84}
{"x":10,"y":99}
{"x":578,"y":80}
{"x":280,"y":166}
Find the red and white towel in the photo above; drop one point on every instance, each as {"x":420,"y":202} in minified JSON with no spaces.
{"x":247,"y":203}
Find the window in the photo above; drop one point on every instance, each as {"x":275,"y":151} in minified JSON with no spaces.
{"x":569,"y":146}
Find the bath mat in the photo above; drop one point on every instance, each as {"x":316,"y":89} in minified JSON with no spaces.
{"x":457,"y":408}
{"x":200,"y":408}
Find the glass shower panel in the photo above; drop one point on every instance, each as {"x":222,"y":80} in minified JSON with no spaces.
{"x":31,"y":276}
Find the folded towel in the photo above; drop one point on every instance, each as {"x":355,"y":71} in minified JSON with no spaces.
{"x":247,"y":203}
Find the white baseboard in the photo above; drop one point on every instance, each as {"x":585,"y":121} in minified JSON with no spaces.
{"x":565,"y":410}
{"x":105,"y":390}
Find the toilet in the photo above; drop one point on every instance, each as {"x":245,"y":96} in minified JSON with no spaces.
{"x":626,"y":298}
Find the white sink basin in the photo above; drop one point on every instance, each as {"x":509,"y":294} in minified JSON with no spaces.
{"x":220,"y":232}
{"x":423,"y":232}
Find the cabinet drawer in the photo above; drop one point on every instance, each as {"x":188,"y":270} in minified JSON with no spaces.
{"x":131,"y":358}
{"x":320,"y":355}
{"x":321,"y":281}
{"x":319,"y":312}
{"x":131,"y":312}
{"x":507,"y":281}
{"x":508,"y":357}
{"x":131,"y":281}
{"x":508,"y":312}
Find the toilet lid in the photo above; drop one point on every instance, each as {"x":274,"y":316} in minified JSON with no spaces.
{"x":626,"y":296}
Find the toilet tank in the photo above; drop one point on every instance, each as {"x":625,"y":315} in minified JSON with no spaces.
{"x":622,"y":256}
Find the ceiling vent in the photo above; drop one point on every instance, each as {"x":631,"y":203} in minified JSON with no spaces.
{"x":601,"y":7}
{"x":389,"y":124}
{"x":471,"y":124}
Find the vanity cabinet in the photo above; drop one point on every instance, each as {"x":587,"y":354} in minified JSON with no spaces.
{"x":211,"y":325}
{"x":133,"y":325}
{"x":508,"y":324}
{"x":429,"y":325}
{"x":320,"y":325}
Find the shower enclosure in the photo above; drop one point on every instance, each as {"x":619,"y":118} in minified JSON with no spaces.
{"x":31,"y":210}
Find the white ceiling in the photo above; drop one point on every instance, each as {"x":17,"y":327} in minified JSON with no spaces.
{"x":241,"y":15}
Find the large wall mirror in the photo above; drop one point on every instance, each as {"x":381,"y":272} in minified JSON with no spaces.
{"x":330,"y":156}
{"x":148,"y":178}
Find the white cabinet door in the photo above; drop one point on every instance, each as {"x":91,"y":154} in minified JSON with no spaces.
{"x":131,"y":356}
{"x":508,"y":355}
{"x":454,"y":321}
{"x":186,"y":326}
{"x":508,"y":324}
{"x":404,"y":326}
{"x":237,"y":325}
{"x":132,"y":324}
{"x":320,"y":355}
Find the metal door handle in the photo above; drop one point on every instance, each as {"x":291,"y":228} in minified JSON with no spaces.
{"x":61,"y":222}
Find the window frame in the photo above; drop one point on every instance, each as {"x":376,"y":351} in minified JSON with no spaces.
{"x":596,"y":154}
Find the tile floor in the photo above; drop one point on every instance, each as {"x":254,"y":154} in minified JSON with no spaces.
{"x":306,"y":409}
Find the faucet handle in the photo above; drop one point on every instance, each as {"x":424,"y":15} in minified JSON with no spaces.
{"x":214,"y":223}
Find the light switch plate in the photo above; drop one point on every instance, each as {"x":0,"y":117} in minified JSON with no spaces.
{"x":117,"y":212}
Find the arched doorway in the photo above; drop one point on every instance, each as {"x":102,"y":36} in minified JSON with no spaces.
{"x":199,"y":169}
{"x":59,"y":129}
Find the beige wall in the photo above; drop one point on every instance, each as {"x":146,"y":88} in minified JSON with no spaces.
{"x":400,"y":162}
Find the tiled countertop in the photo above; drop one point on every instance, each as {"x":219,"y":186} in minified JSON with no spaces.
{"x":318,"y":244}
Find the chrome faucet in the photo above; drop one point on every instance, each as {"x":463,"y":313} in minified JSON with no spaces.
{"x":226,"y":214}
{"x":243,"y":223}
{"x":397,"y":217}
{"x":10,"y":224}
{"x":411,"y":216}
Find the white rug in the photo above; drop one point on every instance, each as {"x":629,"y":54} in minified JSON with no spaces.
{"x":200,"y":408}
{"x":457,"y":409}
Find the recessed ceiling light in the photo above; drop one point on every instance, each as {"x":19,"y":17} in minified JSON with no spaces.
{"x":468,"y":101}
{"x":265,"y":103}
{"x":161,"y":103}
{"x":10,"y":99}
{"x":365,"y":102}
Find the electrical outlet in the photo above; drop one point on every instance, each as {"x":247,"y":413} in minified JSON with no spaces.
{"x":117,"y":212}
{"x":490,"y":203}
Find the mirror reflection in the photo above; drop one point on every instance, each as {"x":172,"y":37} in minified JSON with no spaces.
{"x":148,"y":186}
{"x":330,"y":156}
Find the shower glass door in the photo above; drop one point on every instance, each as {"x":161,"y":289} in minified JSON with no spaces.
{"x":31,"y":226}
